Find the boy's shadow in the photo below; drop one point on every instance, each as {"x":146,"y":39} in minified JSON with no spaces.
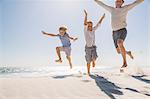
{"x":142,"y":79}
{"x":106,"y":86}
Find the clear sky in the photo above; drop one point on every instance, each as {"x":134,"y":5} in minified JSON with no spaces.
{"x":22,"y":43}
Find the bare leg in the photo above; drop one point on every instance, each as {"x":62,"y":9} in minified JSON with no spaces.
{"x":127,"y":52}
{"x":58,"y":53}
{"x":69,"y":60}
{"x":88,"y":68}
{"x":93,"y":63}
{"x":123,"y":52}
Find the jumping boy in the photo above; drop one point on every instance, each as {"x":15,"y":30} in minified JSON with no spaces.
{"x":118,"y":22}
{"x":90,"y":47}
{"x":66,"y":44}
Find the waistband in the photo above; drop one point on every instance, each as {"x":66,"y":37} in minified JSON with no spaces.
{"x":120,"y":29}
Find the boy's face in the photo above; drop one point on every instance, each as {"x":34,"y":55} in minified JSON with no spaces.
{"x":90,"y":26}
{"x":119,"y":3}
{"x":62,"y":32}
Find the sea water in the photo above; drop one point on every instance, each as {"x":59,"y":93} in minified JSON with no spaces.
{"x":45,"y":71}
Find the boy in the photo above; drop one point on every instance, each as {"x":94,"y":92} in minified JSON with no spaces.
{"x":66,"y":44}
{"x":90,"y":48}
{"x":118,"y":22}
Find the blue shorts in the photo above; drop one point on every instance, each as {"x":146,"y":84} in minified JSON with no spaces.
{"x":119,"y":34}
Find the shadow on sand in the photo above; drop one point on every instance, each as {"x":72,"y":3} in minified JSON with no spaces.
{"x":61,"y":77}
{"x":106,"y":86}
{"x":134,"y":90}
{"x":109,"y":88}
{"x":142,"y":79}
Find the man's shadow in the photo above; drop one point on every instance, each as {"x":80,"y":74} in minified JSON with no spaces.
{"x":142,"y":79}
{"x":106,"y":86}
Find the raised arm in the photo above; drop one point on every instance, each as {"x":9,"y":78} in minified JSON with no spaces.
{"x":85,"y":19}
{"x":49,"y":34}
{"x":99,"y":22}
{"x":135,"y":3}
{"x":108,"y":8}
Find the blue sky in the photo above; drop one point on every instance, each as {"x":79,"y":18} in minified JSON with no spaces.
{"x":22,"y":43}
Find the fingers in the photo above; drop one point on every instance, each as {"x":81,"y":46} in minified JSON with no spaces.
{"x":103,"y":15}
{"x":75,"y":39}
{"x":43,"y":32}
{"x":85,"y":12}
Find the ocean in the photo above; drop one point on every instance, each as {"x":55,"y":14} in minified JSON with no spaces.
{"x":45,"y":71}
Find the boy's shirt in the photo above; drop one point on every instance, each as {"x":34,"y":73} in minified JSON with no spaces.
{"x":65,"y":40}
{"x":90,"y":36}
{"x":118,"y":15}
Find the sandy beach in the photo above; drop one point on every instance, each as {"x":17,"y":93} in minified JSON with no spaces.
{"x":100,"y":85}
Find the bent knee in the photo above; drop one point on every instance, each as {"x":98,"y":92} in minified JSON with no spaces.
{"x":57,"y":48}
{"x":118,"y":52}
{"x":120,"y":42}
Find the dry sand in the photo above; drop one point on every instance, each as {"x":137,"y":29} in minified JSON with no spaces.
{"x":101,"y":85}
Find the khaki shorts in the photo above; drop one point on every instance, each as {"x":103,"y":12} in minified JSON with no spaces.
{"x":90,"y":54}
{"x":67,"y":50}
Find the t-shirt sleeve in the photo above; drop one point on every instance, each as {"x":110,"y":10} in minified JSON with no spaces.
{"x":85,"y":28}
{"x":132,"y":5}
{"x":67,"y":34}
{"x":58,"y":35}
{"x":108,"y":8}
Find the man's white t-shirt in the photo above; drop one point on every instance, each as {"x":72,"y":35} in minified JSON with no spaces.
{"x":118,"y":15}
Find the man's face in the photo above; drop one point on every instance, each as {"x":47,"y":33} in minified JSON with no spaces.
{"x":119,"y":3}
{"x":62,"y":32}
{"x":90,"y":26}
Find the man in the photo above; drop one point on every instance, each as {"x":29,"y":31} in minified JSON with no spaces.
{"x":118,"y":22}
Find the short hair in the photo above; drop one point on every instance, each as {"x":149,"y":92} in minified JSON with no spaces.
{"x":122,"y":1}
{"x":63,"y":28}
{"x":90,"y":22}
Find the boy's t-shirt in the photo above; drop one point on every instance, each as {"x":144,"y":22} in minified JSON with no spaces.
{"x":89,"y":37}
{"x":64,"y":40}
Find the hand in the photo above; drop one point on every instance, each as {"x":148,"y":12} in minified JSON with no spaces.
{"x":43,"y":32}
{"x":103,"y":16}
{"x":75,"y":39}
{"x":95,"y":0}
{"x":85,"y":12}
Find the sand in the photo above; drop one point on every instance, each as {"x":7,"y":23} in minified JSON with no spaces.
{"x":101,"y":85}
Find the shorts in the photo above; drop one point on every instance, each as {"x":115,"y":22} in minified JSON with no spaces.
{"x":90,"y":54}
{"x":119,"y":34}
{"x":67,"y":50}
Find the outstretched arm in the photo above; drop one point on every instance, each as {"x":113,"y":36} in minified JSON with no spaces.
{"x":99,"y":22}
{"x":135,"y":3}
{"x":74,"y":39}
{"x":108,"y":8}
{"x":49,"y":34}
{"x":85,"y":19}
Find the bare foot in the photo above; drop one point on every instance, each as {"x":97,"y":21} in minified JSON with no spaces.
{"x":58,"y":61}
{"x":130,"y":54}
{"x":124,"y":65}
{"x":122,"y":68}
{"x":70,"y":65}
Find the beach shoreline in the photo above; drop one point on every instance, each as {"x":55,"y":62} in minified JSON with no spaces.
{"x":102,"y":84}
